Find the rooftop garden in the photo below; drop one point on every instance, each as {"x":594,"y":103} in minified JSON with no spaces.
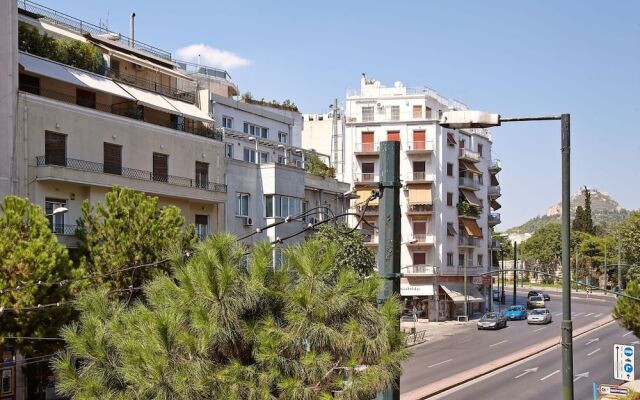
{"x":287,"y":104}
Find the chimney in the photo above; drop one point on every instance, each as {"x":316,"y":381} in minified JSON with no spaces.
{"x":132,"y":30}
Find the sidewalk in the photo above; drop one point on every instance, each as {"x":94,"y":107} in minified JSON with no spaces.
{"x":558,"y":290}
{"x":435,"y":331}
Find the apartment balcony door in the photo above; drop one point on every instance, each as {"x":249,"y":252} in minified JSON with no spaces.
{"x":112,"y":159}
{"x":55,"y":148}
{"x":393,"y":136}
{"x":419,"y":258}
{"x":202,"y":174}
{"x":56,"y":222}
{"x":419,"y":139}
{"x":202,"y":226}
{"x":367,"y":141}
{"x":160,"y":167}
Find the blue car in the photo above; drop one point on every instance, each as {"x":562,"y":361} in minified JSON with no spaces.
{"x":517,"y":312}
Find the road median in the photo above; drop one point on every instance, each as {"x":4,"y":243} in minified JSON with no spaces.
{"x":440,"y":386}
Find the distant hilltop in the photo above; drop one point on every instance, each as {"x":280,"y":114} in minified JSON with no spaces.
{"x":605,"y":212}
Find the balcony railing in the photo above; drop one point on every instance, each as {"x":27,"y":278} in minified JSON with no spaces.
{"x":419,"y":269}
{"x":420,"y":177}
{"x":495,"y":166}
{"x":127,"y":109}
{"x":372,"y":147}
{"x":62,"y":229}
{"x":469,"y":182}
{"x":419,"y":147}
{"x":152,"y":86}
{"x":365,"y":177}
{"x":89,"y":166}
{"x":494,"y":218}
{"x":371,"y":209}
{"x":464,"y":240}
{"x":420,"y":209}
{"x":421,"y":238}
{"x":469,"y":154}
{"x":82,"y":27}
{"x":494,"y":191}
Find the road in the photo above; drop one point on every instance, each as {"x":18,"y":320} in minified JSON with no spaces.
{"x":432,"y":362}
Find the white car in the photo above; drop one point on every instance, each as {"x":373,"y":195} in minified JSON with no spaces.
{"x":539,"y":316}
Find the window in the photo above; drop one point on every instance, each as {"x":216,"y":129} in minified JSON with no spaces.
{"x":417,"y":112}
{"x":278,"y":206}
{"x":256,"y":130}
{"x":282,"y":137}
{"x":419,"y":229}
{"x":112,"y":154}
{"x":227,"y":122}
{"x":461,"y":260}
{"x":249,"y":155}
{"x":449,"y":169}
{"x":242,"y":205}
{"x":450,"y":259}
{"x":395,"y":113}
{"x":367,"y":114}
{"x":427,"y":112}
{"x":419,"y":170}
{"x":202,"y":226}
{"x":7,"y":381}
{"x":160,"y":167}
{"x":115,"y":66}
{"x":367,"y":172}
{"x":299,"y":163}
{"x":480,"y":260}
{"x":228,"y":150}
{"x":177,"y":122}
{"x":419,"y":138}
{"x":264,"y":157}
{"x":439,"y":114}
{"x":29,"y":84}
{"x":55,"y":148}
{"x":393,"y":136}
{"x":419,"y":258}
{"x":450,"y":199}
{"x":480,"y":148}
{"x":461,"y":143}
{"x":451,"y":231}
{"x":367,"y":141}
{"x":56,"y":222}
{"x":85,"y":98}
{"x":202,"y":174}
{"x":480,"y":179}
{"x":281,"y":159}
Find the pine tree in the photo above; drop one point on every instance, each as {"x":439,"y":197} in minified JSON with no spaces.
{"x":588,"y":218}
{"x":578,"y":220}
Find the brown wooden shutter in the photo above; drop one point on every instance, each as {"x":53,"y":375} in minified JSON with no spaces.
{"x":85,"y":98}
{"x":393,"y":136}
{"x":202,"y":174}
{"x":160,"y":167}
{"x":112,"y":159}
{"x":55,"y":148}
{"x":417,"y":111}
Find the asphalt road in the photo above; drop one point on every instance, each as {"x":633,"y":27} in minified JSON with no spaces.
{"x":541,"y":377}
{"x":470,"y":348}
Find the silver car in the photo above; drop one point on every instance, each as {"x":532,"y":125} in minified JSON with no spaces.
{"x":539,"y":316}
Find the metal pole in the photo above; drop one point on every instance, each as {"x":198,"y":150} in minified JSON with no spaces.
{"x":466,"y":316}
{"x":515,"y":274}
{"x":605,"y":267}
{"x":619,"y":261}
{"x":576,"y":270}
{"x":389,"y":231}
{"x":567,"y":325}
{"x":502,"y":292}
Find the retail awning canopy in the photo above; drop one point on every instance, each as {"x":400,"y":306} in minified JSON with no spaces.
{"x":74,"y":76}
{"x":471,"y":197}
{"x":471,"y":227}
{"x":495,"y":205}
{"x":455,"y":291}
{"x":467,"y":166}
{"x":420,"y":194}
{"x":189,"y":110}
{"x":363,"y":195}
{"x":415,"y":287}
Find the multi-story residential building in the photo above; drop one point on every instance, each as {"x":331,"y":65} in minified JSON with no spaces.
{"x":449,"y":186}
{"x":325,"y":134}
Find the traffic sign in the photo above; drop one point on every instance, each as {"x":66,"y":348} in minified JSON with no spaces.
{"x":605,"y":391}
{"x":623,"y":362}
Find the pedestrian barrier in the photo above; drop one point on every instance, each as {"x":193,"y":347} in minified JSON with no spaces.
{"x":415,"y":338}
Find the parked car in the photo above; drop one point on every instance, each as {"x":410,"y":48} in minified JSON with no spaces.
{"x":534,"y":293}
{"x":517,"y":312}
{"x":496,"y":294}
{"x":546,"y":296}
{"x":493,"y":320}
{"x":535,"y":302}
{"x":539,"y":316}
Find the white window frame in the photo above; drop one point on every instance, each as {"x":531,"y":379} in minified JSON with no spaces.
{"x":241,"y":203}
{"x":252,"y":155}
{"x":264,"y":157}
{"x":395,"y":113}
{"x":283,"y":135}
{"x":369,"y":115}
{"x":227,"y":122}
{"x":228,"y":150}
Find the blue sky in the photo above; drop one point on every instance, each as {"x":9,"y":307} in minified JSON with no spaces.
{"x":510,"y":57}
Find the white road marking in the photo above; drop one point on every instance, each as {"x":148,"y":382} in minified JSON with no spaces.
{"x":586,"y":315}
{"x":591,"y":341}
{"x":440,"y":363}
{"x":597,"y":315}
{"x":627,"y":334}
{"x":539,"y":329}
{"x":636,"y":342}
{"x":526,"y":371}
{"x":550,"y":375}
{"x":495,"y":344}
{"x":582,"y":375}
{"x":558,"y":314}
{"x":594,"y":352}
{"x":578,"y":314}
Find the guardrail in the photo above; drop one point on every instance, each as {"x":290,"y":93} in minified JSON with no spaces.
{"x":420,"y":146}
{"x":153,"y":86}
{"x":372,"y":147}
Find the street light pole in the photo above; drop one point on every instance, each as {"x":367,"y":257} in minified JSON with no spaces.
{"x":619,"y":260}
{"x":515,"y":274}
{"x":502,"y":291}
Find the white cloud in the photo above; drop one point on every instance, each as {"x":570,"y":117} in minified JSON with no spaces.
{"x":211,"y":56}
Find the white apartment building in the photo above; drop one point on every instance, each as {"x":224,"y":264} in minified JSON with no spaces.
{"x":449,"y":187}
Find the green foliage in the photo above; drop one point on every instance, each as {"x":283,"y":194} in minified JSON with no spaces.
{"x":544,"y":249}
{"x":66,"y":51}
{"x":505,"y":244}
{"x":221,"y":331}
{"x":317,"y":167}
{"x":533,"y":224}
{"x":351,"y":251}
{"x":29,"y":253}
{"x":627,"y":311}
{"x":129,"y":228}
{"x":629,"y":233}
{"x":583,"y":222}
{"x":464,"y":208}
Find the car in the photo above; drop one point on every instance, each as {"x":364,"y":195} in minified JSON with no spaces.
{"x":546,"y":296}
{"x":493,"y":320}
{"x":539,"y":316}
{"x":535,"y":302}
{"x":534,"y":293}
{"x":496,"y":294}
{"x":516,"y":312}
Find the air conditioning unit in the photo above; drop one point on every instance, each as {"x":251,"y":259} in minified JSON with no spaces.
{"x":379,"y":105}
{"x":248,"y":221}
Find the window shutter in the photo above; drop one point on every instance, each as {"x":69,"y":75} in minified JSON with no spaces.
{"x":55,"y":148}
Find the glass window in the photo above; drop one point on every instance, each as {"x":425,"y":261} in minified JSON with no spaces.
{"x":282,"y":137}
{"x":284,"y":207}
{"x":227,"y":122}
{"x":202,"y":174}
{"x":480,"y":260}
{"x":277,"y":206}
{"x":246,"y":127}
{"x":268,"y":206}
{"x":417,"y":111}
{"x":449,"y":199}
{"x":449,"y":169}
{"x":395,"y":113}
{"x":202,"y":226}
{"x":265,"y":133}
{"x":242,"y":204}
{"x":367,"y":114}
{"x":249,"y":155}
{"x":228,"y":150}
{"x":449,"y":259}
{"x":56,"y":222}
{"x":427,"y":113}
{"x":264,"y":157}
{"x":7,"y":381}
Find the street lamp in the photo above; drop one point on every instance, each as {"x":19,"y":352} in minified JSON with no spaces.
{"x":256,"y":156}
{"x":58,"y":210}
{"x":480,"y":119}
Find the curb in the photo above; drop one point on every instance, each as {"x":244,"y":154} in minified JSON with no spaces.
{"x":425,"y":392}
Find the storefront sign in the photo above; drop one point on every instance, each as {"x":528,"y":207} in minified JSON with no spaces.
{"x":410,"y":288}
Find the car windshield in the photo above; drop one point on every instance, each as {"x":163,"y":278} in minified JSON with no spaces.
{"x":515,"y":308}
{"x":538,"y":312}
{"x":536,"y":298}
{"x":490,"y":316}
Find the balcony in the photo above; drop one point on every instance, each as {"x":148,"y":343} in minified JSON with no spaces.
{"x":494,"y":219}
{"x":63,"y":229}
{"x":494,"y":192}
{"x":419,"y":148}
{"x":468,"y":155}
{"x":467,"y":210}
{"x":367,"y":149}
{"x":468,"y":183}
{"x":421,"y":239}
{"x":419,"y":177}
{"x":365,"y":179}
{"x":371,"y":210}
{"x":370,"y":238}
{"x":419,"y":270}
{"x":420,"y":209}
{"x":112,"y":172}
{"x":495,"y":167}
{"x":467,"y":241}
{"x":189,"y":96}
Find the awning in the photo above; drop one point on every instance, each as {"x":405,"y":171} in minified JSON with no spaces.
{"x":451,"y":139}
{"x":495,"y":205}
{"x":415,"y":287}
{"x":189,"y":110}
{"x":455,"y":291}
{"x":467,"y":166}
{"x":363,"y":195}
{"x":471,"y":197}
{"x":420,"y":194}
{"x":144,"y":63}
{"x":150,"y":99}
{"x":451,"y":231}
{"x":494,"y":180}
{"x":471,"y":227}
{"x":74,"y":76}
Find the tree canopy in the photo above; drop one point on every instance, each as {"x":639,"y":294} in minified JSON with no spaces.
{"x":218,"y":330}
{"x":351,"y":251}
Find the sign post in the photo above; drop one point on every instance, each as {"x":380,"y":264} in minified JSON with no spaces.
{"x":623,"y":362}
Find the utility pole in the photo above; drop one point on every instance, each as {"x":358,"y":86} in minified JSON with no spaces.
{"x":567,"y":324}
{"x":502,"y":292}
{"x":389,"y":231}
{"x":605,"y":266}
{"x":515,"y":274}
{"x":619,"y":261}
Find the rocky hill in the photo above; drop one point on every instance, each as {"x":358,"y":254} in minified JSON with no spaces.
{"x":605,"y":212}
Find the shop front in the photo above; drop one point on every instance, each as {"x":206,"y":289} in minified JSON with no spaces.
{"x":454,"y":299}
{"x":417,"y":294}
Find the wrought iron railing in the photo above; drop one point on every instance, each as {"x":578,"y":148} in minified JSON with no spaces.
{"x":464,"y":240}
{"x":468,"y":182}
{"x":63,"y":229}
{"x":189,"y":96}
{"x":420,"y":208}
{"x":90,"y":166}
{"x":83,"y":27}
